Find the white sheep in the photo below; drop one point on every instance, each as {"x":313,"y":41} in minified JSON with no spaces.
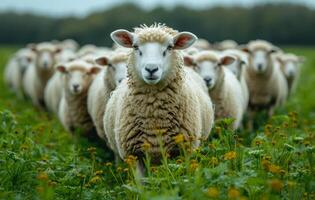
{"x":37,"y":75}
{"x":290,"y":65}
{"x":16,"y":67}
{"x":115,"y":71}
{"x":69,"y":44}
{"x":201,"y":44}
{"x":266,"y":83}
{"x":53,"y":89}
{"x":73,"y":113}
{"x":238,"y":68}
{"x":226,"y":44}
{"x":224,"y":88}
{"x":159,"y":100}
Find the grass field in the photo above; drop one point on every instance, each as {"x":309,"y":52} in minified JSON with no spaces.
{"x":39,"y":160}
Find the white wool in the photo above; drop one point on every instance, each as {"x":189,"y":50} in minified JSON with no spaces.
{"x":16,"y":67}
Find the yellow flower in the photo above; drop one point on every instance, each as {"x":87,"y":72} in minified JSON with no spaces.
{"x":42,"y":176}
{"x":258,"y":142}
{"x":91,"y":150}
{"x":131,"y":160}
{"x":230,"y":155}
{"x":52,"y":183}
{"x":99,"y":172}
{"x":194,"y":165}
{"x":233,"y":193}
{"x":95,"y":179}
{"x":276,"y":185}
{"x":214,"y":161}
{"x":275,"y":169}
{"x":108,"y":164}
{"x":146,"y":146}
{"x":213,"y":192}
{"x":126,"y":170}
{"x":179,"y":138}
{"x":119,"y":169}
{"x":179,"y":161}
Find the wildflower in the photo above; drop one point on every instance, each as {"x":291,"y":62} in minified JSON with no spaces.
{"x":194,"y":165}
{"x":119,"y":169}
{"x":214,"y":161}
{"x":212,"y":146}
{"x":42,"y":176}
{"x":275,"y":169}
{"x":99,"y":172}
{"x":108,"y":164}
{"x":213,"y":192}
{"x":179,"y":161}
{"x":233,"y":193}
{"x":131,"y":160}
{"x":92,"y":150}
{"x":95,"y":179}
{"x":179,"y":138}
{"x":218,"y":130}
{"x":230,"y":155}
{"x":282,"y":172}
{"x":276,"y":185}
{"x":258,"y":142}
{"x":126,"y":170}
{"x":265,"y":163}
{"x":52,"y":183}
{"x":146,"y":146}
{"x":154,"y":169}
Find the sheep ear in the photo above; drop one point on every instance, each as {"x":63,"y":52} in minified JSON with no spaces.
{"x":32,"y":47}
{"x":243,"y":48}
{"x":189,"y":61}
{"x":61,"y":68}
{"x":184,"y":40}
{"x":227,"y":60}
{"x":279,"y":59}
{"x":94,"y":70}
{"x":58,"y":50}
{"x":274,"y":50}
{"x":103,"y":61}
{"x":123,"y":38}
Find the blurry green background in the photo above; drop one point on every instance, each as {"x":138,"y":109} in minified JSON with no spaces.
{"x":91,"y":21}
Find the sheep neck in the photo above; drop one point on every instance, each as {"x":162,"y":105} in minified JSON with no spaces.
{"x":77,"y":110}
{"x":109,"y":80}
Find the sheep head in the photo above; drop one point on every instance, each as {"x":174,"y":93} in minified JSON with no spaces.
{"x":153,"y":49}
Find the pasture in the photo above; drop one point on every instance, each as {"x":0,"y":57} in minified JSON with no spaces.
{"x":40,"y":160}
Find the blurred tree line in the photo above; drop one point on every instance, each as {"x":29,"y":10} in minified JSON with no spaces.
{"x":278,"y":23}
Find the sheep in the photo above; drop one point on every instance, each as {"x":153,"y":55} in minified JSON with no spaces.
{"x":73,"y":113}
{"x":238,"y":68}
{"x":87,"y":49}
{"x":267,"y":85}
{"x":226,"y":44}
{"x":69,"y":44}
{"x":223,"y":87}
{"x":159,"y":99}
{"x":53,"y":89}
{"x":290,"y":67}
{"x":37,"y":75}
{"x":16,"y":67}
{"x":103,"y":85}
{"x":201,"y":44}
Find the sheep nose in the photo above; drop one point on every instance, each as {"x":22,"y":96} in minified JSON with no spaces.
{"x":260,"y":66}
{"x":120,"y":80}
{"x":208,"y":80}
{"x":75,"y":87}
{"x":151,"y":69}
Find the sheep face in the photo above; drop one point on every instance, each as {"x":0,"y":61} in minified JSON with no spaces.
{"x":209,"y":66}
{"x":78,"y":78}
{"x":118,"y":70}
{"x":45,"y":55}
{"x":290,"y":66}
{"x":153,"y":58}
{"x":25,"y":61}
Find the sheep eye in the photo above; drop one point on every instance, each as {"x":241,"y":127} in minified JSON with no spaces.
{"x":140,"y":53}
{"x":136,"y":47}
{"x":169,"y":47}
{"x":110,"y":65}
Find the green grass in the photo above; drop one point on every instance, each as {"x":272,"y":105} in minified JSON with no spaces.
{"x":39,"y":160}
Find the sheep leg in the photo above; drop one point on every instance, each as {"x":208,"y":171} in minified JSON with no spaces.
{"x":270,"y":112}
{"x":140,"y":170}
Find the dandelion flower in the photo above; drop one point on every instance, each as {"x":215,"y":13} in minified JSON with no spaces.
{"x":276,"y":185}
{"x":233,"y":193}
{"x":179,"y":138}
{"x":213,"y":192}
{"x":230,"y":155}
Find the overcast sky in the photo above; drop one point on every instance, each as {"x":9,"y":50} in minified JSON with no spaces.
{"x":82,"y":8}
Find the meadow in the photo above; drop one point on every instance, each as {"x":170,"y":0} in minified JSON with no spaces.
{"x":40,"y":160}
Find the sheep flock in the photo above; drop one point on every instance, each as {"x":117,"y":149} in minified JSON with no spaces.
{"x":154,"y":84}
